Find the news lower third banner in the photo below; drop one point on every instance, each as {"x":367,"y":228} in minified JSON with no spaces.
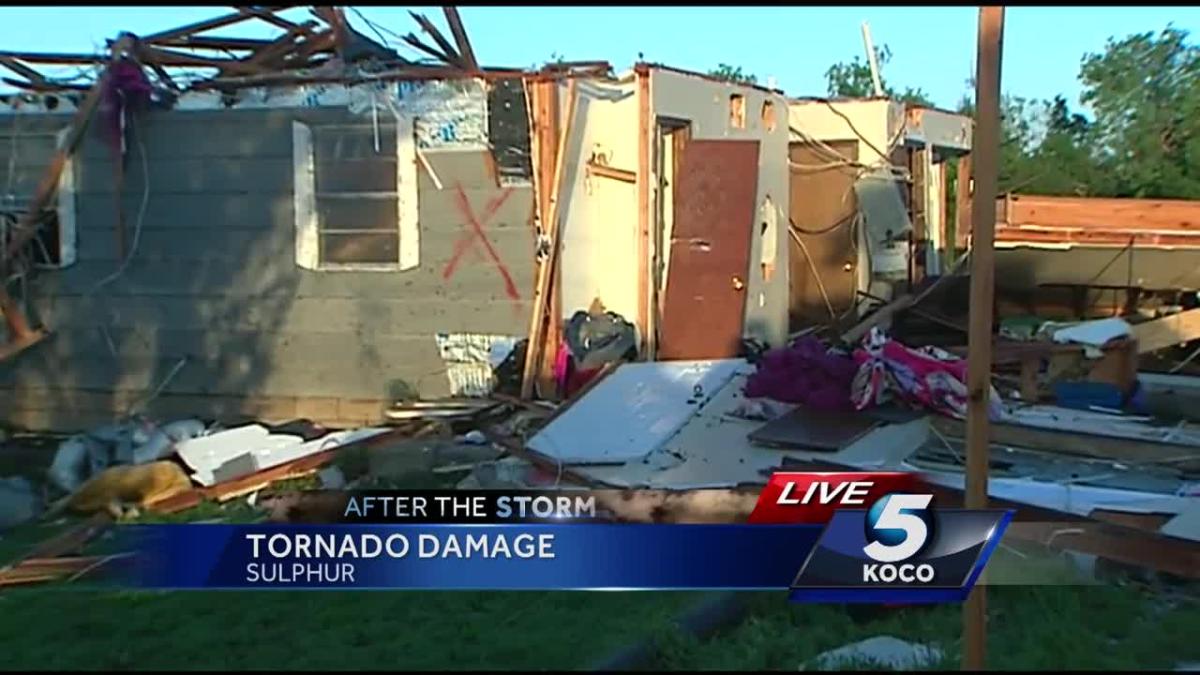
{"x":844,"y":537}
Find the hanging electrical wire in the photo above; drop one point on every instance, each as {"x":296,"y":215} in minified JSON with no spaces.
{"x":375,"y":28}
{"x":141,"y":217}
{"x":816,"y":274}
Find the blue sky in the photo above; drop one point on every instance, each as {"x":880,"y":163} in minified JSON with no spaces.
{"x":932,"y":47}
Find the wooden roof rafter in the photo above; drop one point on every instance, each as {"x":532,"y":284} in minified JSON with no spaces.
{"x":460,"y":37}
{"x":233,"y":62}
{"x":449,"y":54}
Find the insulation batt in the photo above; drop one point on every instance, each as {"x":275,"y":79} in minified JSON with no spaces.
{"x":366,"y":545}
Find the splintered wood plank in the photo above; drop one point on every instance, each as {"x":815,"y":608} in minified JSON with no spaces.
{"x":1170,"y":330}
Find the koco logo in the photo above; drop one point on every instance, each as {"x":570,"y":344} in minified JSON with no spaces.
{"x":898,"y":527}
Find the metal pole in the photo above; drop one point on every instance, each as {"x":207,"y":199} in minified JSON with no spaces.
{"x":985,"y":149}
{"x":871,"y":60}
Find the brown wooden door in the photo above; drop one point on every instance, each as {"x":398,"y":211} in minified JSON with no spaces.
{"x":705,"y":299}
{"x":822,"y":207}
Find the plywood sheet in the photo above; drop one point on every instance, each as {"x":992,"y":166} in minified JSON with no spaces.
{"x":633,"y":411}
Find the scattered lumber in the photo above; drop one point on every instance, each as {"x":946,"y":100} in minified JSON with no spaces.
{"x":1168,"y":331}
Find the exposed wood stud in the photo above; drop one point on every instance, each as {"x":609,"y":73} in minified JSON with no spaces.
{"x":547,"y":268}
{"x":642,"y":72}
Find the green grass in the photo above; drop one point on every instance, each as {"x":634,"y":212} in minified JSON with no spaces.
{"x":69,"y":629}
{"x":1029,"y":628}
{"x":71,"y":626}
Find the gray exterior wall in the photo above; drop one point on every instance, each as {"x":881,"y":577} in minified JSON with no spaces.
{"x":214,"y":282}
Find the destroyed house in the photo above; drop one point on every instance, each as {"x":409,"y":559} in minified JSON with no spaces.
{"x":871,"y":207}
{"x":320,"y":242}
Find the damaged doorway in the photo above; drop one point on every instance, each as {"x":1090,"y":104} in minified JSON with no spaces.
{"x":670,"y":138}
{"x":707,"y":251}
{"x":823,"y":248}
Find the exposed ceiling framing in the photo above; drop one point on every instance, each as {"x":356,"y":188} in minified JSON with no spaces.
{"x":325,"y":48}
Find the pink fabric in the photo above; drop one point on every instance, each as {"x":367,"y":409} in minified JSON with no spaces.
{"x":562,"y":366}
{"x":928,"y":377}
{"x":126,"y":87}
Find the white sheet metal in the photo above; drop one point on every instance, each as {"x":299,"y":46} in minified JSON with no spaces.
{"x":712,"y":450}
{"x":633,"y":411}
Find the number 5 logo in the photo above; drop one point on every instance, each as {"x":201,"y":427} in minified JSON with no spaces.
{"x":893,"y":516}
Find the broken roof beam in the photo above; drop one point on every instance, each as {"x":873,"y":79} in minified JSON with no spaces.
{"x":197,"y":27}
{"x":25,"y":71}
{"x":411,"y":73}
{"x":280,"y":48}
{"x":268,"y":14}
{"x":452,"y":56}
{"x":218,"y":43}
{"x":47,"y":187}
{"x":49,"y":87}
{"x":318,"y":42}
{"x":415,"y":42}
{"x":161,"y":72}
{"x":166,"y":57}
{"x":337,"y":24}
{"x":460,"y":37}
{"x":57,"y":59}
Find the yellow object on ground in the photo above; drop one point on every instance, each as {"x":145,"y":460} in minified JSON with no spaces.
{"x":138,"y":484}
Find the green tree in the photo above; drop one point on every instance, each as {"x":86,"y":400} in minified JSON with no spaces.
{"x":1065,"y":161}
{"x":1145,"y":92}
{"x":725,"y":71}
{"x":853,"y":80}
{"x":1044,"y":147}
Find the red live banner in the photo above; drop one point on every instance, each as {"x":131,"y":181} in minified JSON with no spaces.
{"x":812,"y":498}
